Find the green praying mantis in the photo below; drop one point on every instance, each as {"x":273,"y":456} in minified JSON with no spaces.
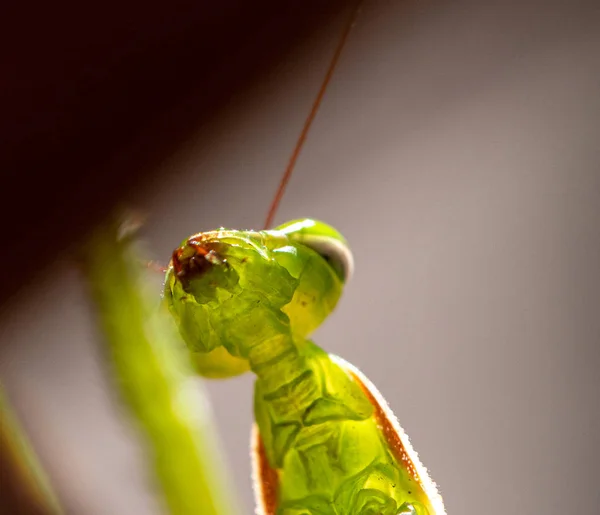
{"x":325,"y":441}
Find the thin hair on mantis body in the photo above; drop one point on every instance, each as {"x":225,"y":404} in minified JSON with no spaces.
{"x":324,"y":440}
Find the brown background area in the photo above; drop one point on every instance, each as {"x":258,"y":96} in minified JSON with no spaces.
{"x":457,"y":149}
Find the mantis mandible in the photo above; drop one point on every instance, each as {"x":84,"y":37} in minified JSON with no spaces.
{"x":325,"y":441}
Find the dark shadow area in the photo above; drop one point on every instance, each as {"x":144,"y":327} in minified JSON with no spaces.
{"x":85,"y":83}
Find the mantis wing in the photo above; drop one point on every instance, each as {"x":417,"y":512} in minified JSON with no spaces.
{"x":265,"y":478}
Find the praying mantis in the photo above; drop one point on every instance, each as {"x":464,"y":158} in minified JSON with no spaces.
{"x":325,"y":441}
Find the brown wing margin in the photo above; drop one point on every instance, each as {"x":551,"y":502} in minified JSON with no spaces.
{"x":395,"y":436}
{"x":265,"y":479}
{"x":389,"y":433}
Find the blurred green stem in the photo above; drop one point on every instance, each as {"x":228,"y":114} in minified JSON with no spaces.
{"x":24,"y":485}
{"x":152,"y":367}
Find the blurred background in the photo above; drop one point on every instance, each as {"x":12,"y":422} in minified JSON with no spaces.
{"x":457,"y":149}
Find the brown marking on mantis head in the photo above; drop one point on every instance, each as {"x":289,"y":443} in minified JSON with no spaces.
{"x":195,"y":257}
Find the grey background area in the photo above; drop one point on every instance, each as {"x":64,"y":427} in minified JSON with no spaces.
{"x":458,"y":150}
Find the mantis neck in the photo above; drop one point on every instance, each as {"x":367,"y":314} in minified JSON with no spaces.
{"x":300,"y":387}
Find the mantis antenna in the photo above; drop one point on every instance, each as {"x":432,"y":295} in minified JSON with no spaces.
{"x":310,"y":118}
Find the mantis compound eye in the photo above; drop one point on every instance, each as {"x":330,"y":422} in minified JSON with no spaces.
{"x":325,"y":241}
{"x":335,"y":252}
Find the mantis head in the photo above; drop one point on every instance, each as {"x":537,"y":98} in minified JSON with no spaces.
{"x":229,"y":290}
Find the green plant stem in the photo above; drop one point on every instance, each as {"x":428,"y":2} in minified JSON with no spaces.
{"x":153,"y":370}
{"x":24,"y":486}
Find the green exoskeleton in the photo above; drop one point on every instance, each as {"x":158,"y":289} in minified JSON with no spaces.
{"x":325,"y":441}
